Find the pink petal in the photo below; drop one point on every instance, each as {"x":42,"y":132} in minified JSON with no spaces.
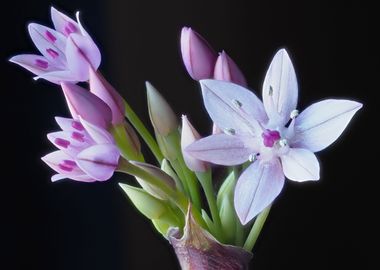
{"x":223,"y":149}
{"x":98,"y":134}
{"x":82,"y":53}
{"x":58,"y":76}
{"x":188,"y":136}
{"x":323,"y":122}
{"x":104,"y":90}
{"x":69,"y":124}
{"x":232,"y":106}
{"x":280,"y":89}
{"x":99,"y":161}
{"x":197,"y":55}
{"x":256,"y":188}
{"x":63,"y":23}
{"x":300,"y":165}
{"x":80,"y":178}
{"x":85,"y":104}
{"x":71,"y":142}
{"x":227,"y":70}
{"x":55,"y":159}
{"x":50,"y":43}
{"x":36,"y":64}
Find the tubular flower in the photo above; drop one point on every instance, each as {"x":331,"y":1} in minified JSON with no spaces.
{"x":86,"y":152}
{"x":67,"y":51}
{"x":259,"y":132}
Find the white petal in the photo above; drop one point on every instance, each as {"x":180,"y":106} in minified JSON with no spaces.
{"x":300,"y":165}
{"x":323,"y":122}
{"x":232,"y":106}
{"x":280,"y":89}
{"x":257,"y":188}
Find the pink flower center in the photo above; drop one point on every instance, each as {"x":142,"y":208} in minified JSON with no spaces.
{"x":270,"y":137}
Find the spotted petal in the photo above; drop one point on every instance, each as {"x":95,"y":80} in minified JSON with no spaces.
{"x":280,"y":89}
{"x":300,"y":165}
{"x":223,"y":149}
{"x":232,"y":106}
{"x":36,"y":64}
{"x":257,"y":188}
{"x":323,"y":122}
{"x":63,"y":23}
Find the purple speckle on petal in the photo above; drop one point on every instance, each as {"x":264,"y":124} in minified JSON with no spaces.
{"x":41,"y":63}
{"x":70,"y":28}
{"x":68,"y":162}
{"x":77,"y":136}
{"x":77,"y":126}
{"x":52,"y":52}
{"x":50,"y":37}
{"x":64,"y":167}
{"x":270,"y":137}
{"x":62,"y":142}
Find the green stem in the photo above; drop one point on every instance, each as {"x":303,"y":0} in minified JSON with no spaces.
{"x":206,"y":183}
{"x":239,"y":232}
{"x":143,"y":131}
{"x":256,"y":229}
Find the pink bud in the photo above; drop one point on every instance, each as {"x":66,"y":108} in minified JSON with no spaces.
{"x":104,"y":90}
{"x":188,"y":136}
{"x":227,"y":70}
{"x":86,"y":105}
{"x":198,"y":56}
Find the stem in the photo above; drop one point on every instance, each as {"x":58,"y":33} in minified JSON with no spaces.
{"x":143,"y":131}
{"x":239,"y":233}
{"x":206,"y":183}
{"x":256,"y":229}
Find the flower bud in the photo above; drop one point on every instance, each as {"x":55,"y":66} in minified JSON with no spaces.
{"x":227,"y":70}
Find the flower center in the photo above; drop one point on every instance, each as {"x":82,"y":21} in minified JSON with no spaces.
{"x":270,"y":137}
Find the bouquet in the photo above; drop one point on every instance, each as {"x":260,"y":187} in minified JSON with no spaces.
{"x":208,"y":196}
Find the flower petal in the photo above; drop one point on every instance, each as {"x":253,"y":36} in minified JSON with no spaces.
{"x":223,"y":149}
{"x":58,"y":76}
{"x":83,"y":103}
{"x":63,"y":23}
{"x":81,"y":53}
{"x":323,"y":122}
{"x":280,"y":89}
{"x":300,"y":165}
{"x":227,"y":70}
{"x":98,"y":134}
{"x":70,"y":142}
{"x":36,"y":64}
{"x":50,"y":43}
{"x":232,"y":106}
{"x":57,"y":160}
{"x":99,"y":161}
{"x":256,"y":188}
{"x":69,"y":124}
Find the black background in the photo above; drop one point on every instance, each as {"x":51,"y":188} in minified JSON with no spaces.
{"x":68,"y":225}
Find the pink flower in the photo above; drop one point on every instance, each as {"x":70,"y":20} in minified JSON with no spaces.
{"x":227,"y":70}
{"x":86,"y":152}
{"x":258,"y":132}
{"x":67,"y":52}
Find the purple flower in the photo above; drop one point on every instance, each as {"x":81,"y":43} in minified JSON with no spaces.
{"x":67,"y":52}
{"x":259,"y":132}
{"x":86,"y":152}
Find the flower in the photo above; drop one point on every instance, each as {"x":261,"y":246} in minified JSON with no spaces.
{"x":197,"y":55}
{"x":227,"y":70}
{"x":67,"y":52}
{"x":87,"y":152}
{"x":258,"y":132}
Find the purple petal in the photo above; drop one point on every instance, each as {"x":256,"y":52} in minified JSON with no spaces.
{"x":71,"y":142}
{"x":198,"y":56}
{"x":280,"y":89}
{"x":58,"y":76}
{"x":188,"y":136}
{"x":99,"y":161}
{"x":80,"y":178}
{"x":81,"y":54}
{"x":69,"y":124}
{"x":227,"y":70}
{"x":231,"y":106}
{"x":50,"y":43}
{"x":36,"y":64}
{"x":104,"y":90}
{"x":323,"y":122}
{"x":300,"y":165}
{"x":63,"y":23}
{"x":223,"y":149}
{"x":85,"y":104}
{"x":256,"y":188}
{"x":98,"y":134}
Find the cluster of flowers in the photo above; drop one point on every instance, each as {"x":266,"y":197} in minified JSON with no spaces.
{"x":261,"y":142}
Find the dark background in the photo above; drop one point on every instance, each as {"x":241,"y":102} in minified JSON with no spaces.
{"x":68,"y":225}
